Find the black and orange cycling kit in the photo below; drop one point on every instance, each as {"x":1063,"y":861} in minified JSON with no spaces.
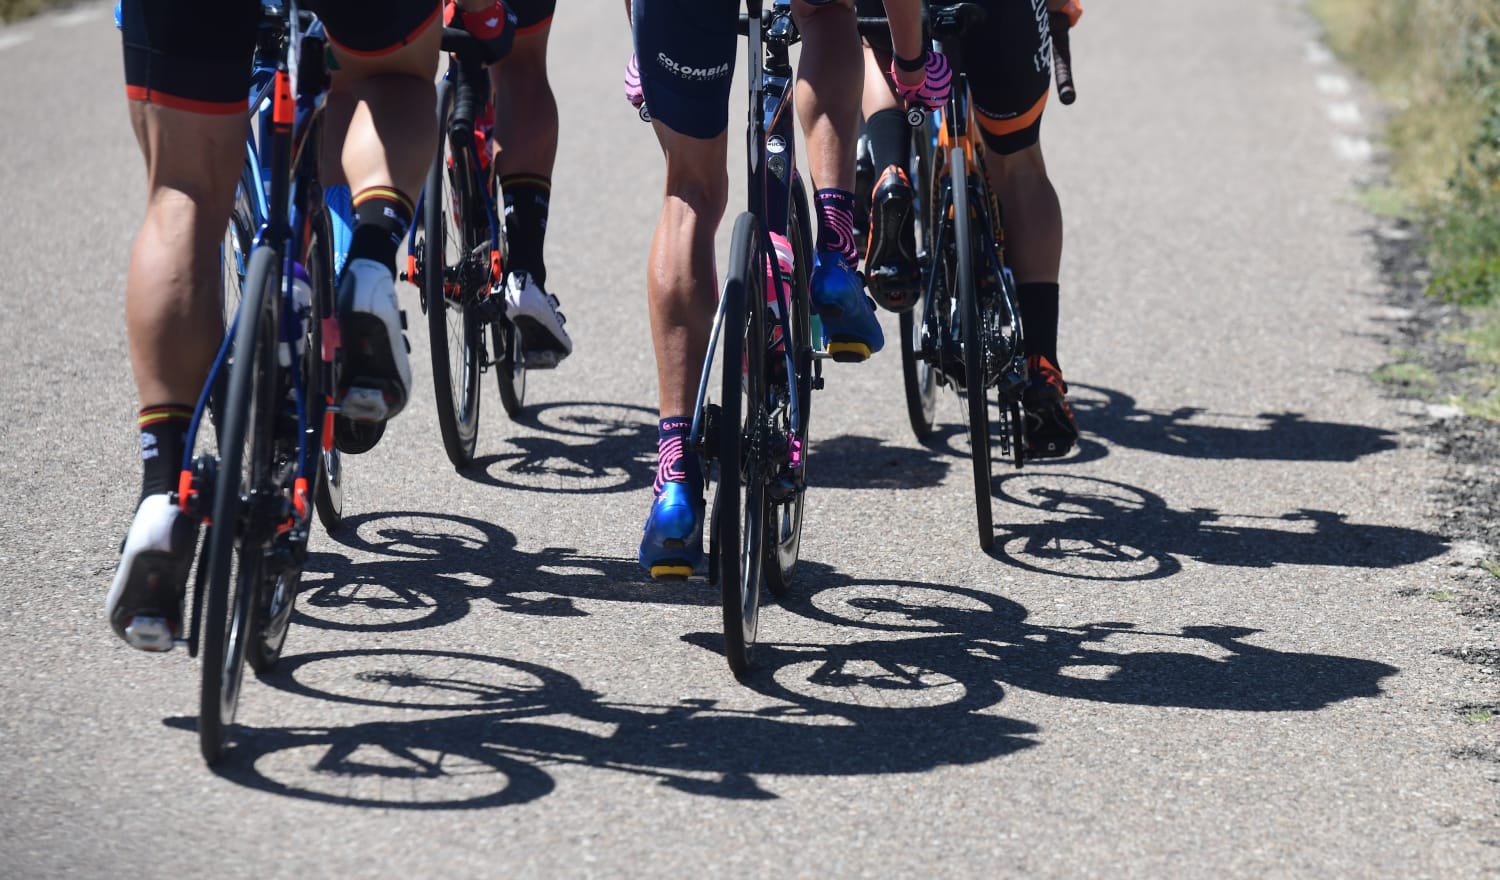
{"x":194,"y":55}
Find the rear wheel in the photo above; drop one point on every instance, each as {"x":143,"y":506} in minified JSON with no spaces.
{"x":740,"y":530}
{"x":784,"y":515}
{"x":510,"y":367}
{"x":976,"y":379}
{"x":238,"y":538}
{"x":455,"y":277}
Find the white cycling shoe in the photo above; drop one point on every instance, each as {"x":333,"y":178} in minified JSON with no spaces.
{"x":144,"y":603}
{"x":377,"y":370}
{"x":534,"y":312}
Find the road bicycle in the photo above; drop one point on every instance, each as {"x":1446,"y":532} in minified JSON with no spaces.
{"x":966,"y":331}
{"x":456,"y":256}
{"x":271,"y":462}
{"x":752,"y":437}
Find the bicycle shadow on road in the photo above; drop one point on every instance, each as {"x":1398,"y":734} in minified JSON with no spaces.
{"x":498,"y":724}
{"x":1101,"y":529}
{"x":849,"y":461}
{"x":1200,"y":666}
{"x":576,"y":447}
{"x":416,"y":570}
{"x":1196,"y":432}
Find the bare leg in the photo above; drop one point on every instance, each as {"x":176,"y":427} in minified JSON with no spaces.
{"x":391,"y":135}
{"x":525,"y":108}
{"x":829,"y":77}
{"x":1033,"y":219}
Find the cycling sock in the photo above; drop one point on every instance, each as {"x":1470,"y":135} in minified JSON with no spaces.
{"x":890,"y":140}
{"x":675,"y":463}
{"x":381,"y":217}
{"x":526,"y":203}
{"x":836,"y":222}
{"x":1039,"y":318}
{"x":163,"y":436}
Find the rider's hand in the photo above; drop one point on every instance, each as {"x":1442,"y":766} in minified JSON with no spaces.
{"x":633,"y":92}
{"x":494,"y":28}
{"x":927,"y":87}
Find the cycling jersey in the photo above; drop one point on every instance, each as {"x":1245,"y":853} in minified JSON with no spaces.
{"x":194,"y":55}
{"x":685,"y":49}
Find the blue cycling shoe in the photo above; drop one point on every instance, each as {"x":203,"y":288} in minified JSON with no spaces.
{"x":849,"y":324}
{"x":672,"y":547}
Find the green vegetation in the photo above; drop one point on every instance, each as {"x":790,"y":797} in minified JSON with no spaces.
{"x":1479,"y":716}
{"x":1437,"y":64}
{"x":15,"y":10}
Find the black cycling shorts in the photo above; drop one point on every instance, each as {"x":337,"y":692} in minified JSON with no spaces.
{"x":195,"y":55}
{"x":1008,"y":60}
{"x":685,"y":49}
{"x":532,"y":15}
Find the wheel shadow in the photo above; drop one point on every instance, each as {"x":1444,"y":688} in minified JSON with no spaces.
{"x":577,"y":447}
{"x":1098,"y":529}
{"x":416,"y":570}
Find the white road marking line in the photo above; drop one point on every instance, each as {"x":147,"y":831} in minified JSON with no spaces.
{"x":1354,"y":149}
{"x":9,"y":41}
{"x":1318,"y":53}
{"x":1344,"y":112}
{"x":1332,"y":84}
{"x":76,"y":18}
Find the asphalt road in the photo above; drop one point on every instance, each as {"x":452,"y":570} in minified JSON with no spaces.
{"x":1208,"y":644}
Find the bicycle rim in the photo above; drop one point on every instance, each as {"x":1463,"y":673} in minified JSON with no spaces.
{"x":741,"y":529}
{"x":784,"y":518}
{"x":917,"y":376}
{"x":975,"y":377}
{"x":244,"y":454}
{"x":456,"y":266}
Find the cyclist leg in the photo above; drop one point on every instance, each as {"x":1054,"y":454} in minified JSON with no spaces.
{"x":686,"y":50}
{"x":1010,"y":74}
{"x":387,"y":60}
{"x":185,"y":81}
{"x":891,"y":270}
{"x":525,"y":145}
{"x":829,"y":80}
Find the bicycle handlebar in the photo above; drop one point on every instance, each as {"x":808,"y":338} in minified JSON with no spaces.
{"x":1062,"y":56}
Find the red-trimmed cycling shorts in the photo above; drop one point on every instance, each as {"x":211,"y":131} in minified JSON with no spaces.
{"x":195,"y":54}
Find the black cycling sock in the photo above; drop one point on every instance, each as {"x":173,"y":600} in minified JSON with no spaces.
{"x":526,"y":203}
{"x":890,"y":140}
{"x":163,"y":436}
{"x":381,"y":217}
{"x":1039,"y":319}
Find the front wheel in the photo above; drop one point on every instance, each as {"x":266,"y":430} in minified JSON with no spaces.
{"x":740,"y":531}
{"x":917,"y":376}
{"x":784,"y":511}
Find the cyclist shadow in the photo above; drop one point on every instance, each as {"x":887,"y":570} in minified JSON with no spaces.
{"x":419,"y":570}
{"x":582,"y":448}
{"x":1106,"y":530}
{"x":499,"y":723}
{"x":1196,"y":432}
{"x":1209,"y":666}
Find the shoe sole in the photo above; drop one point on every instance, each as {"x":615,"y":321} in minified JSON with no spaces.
{"x":1043,"y":420}
{"x":143,"y":630}
{"x":671,"y":570}
{"x":885,"y":239}
{"x":374,"y":392}
{"x":536,"y":336}
{"x":848,"y":351}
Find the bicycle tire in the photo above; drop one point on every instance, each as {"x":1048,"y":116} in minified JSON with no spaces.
{"x":784,"y":518}
{"x":919,"y":378}
{"x":328,"y":491}
{"x":510,"y":367}
{"x":449,"y":249}
{"x":975,"y":378}
{"x":232,"y":542}
{"x":741,"y":529}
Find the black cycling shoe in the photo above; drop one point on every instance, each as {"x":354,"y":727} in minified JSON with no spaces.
{"x":891,"y":272}
{"x":1050,"y":428}
{"x":355,"y":438}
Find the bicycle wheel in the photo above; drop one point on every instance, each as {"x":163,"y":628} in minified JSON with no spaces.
{"x":455,"y":276}
{"x":784,"y":511}
{"x":322,"y":376}
{"x":510,"y":366}
{"x":975,"y":376}
{"x":741,"y":529}
{"x":917,"y":376}
{"x":237,"y":540}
